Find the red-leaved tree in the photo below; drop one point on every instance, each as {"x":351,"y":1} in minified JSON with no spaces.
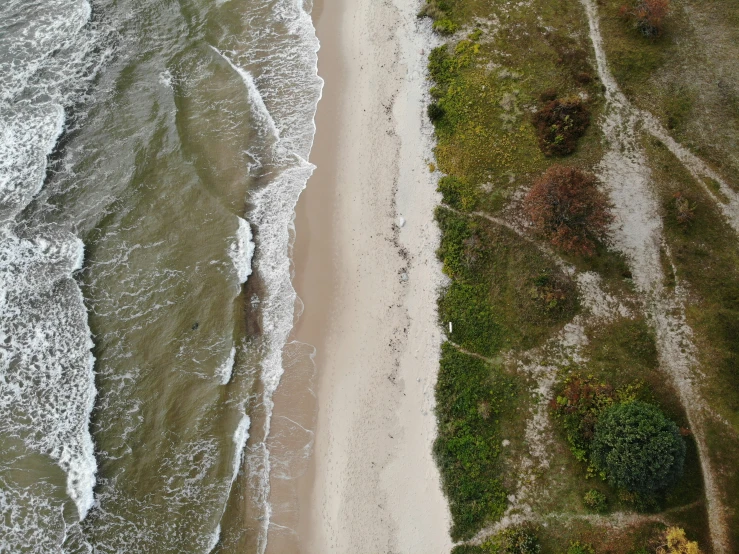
{"x":566,"y":206}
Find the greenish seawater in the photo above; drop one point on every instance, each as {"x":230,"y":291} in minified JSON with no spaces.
{"x":152,"y":154}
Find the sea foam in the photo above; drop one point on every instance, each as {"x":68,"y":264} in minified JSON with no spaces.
{"x":241,"y":251}
{"x":283,"y":88}
{"x":47,"y":390}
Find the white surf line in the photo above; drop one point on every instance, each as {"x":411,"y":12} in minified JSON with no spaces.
{"x":626,"y":174}
{"x":259,"y":109}
{"x":273,"y":215}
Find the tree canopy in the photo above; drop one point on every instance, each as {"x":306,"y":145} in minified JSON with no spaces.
{"x":638,"y":448}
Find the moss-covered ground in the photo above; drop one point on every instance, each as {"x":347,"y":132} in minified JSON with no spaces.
{"x":509,"y":298}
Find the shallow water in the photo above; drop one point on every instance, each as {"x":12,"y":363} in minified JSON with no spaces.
{"x":146,"y":149}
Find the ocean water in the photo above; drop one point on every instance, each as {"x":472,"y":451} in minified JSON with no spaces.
{"x":151,"y":155}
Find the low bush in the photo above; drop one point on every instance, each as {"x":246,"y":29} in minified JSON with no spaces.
{"x":457,"y":250}
{"x":580,"y":548}
{"x":521,"y":540}
{"x":553,"y":291}
{"x":559,"y":124}
{"x":647,"y":15}
{"x":674,"y":541}
{"x":684,"y":210}
{"x":513,"y":540}
{"x":435,"y":112}
{"x":475,"y":326}
{"x":566,"y":206}
{"x":445,"y":26}
{"x":434,"y":10}
{"x":596,"y":501}
{"x":458,"y":193}
{"x":578,"y":406}
{"x":548,"y":95}
{"x":637,"y":448}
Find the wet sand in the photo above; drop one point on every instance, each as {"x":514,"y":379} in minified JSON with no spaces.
{"x":369,"y":286}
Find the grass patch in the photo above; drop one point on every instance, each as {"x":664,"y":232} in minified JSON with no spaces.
{"x":623,"y":355}
{"x":706,"y":260}
{"x":681,"y":76}
{"x":505,"y":293}
{"x":486,"y":87}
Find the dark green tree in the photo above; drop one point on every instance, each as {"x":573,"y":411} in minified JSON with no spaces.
{"x":638,"y":448}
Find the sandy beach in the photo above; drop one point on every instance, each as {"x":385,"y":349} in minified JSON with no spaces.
{"x":366,"y":270}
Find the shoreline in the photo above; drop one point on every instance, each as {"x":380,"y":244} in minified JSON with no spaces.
{"x":369,"y":287}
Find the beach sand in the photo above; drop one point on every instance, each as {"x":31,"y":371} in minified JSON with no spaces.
{"x":369,"y":285}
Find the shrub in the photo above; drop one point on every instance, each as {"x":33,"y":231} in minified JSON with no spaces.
{"x":584,"y":78}
{"x":580,"y":548}
{"x":596,"y":501}
{"x":559,"y":124}
{"x":547,"y":95}
{"x":638,"y":448}
{"x":566,"y":206}
{"x":445,"y":26}
{"x":458,"y":193}
{"x":675,"y":542}
{"x":647,"y":15}
{"x":684,"y":210}
{"x":432,"y":10}
{"x":513,"y":540}
{"x":521,"y":540}
{"x":435,"y":112}
{"x":440,"y":65}
{"x":578,"y":406}
{"x":552,"y":291}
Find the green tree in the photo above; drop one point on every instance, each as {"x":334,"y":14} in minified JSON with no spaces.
{"x":638,"y":448}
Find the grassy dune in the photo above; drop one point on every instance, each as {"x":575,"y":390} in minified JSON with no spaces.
{"x":520,"y":322}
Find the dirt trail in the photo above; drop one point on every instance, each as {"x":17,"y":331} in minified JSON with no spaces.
{"x":638,"y":234}
{"x":726,"y":198}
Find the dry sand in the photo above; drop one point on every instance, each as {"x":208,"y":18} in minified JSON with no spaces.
{"x":369,"y":285}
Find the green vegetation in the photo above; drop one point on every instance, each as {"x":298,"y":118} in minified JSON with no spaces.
{"x":514,"y":540}
{"x":457,"y":193}
{"x":638,"y":448}
{"x":470,"y":396}
{"x":647,"y":15}
{"x":580,"y":548}
{"x":596,"y":501}
{"x":445,"y":27}
{"x":505,"y":293}
{"x":679,"y":76}
{"x":578,"y":406}
{"x":705,"y":257}
{"x":630,"y":443}
{"x":514,"y":87}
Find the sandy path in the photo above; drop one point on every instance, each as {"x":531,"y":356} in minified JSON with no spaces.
{"x":374,"y":486}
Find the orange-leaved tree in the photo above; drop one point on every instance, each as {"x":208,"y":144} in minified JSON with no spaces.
{"x":566,"y":206}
